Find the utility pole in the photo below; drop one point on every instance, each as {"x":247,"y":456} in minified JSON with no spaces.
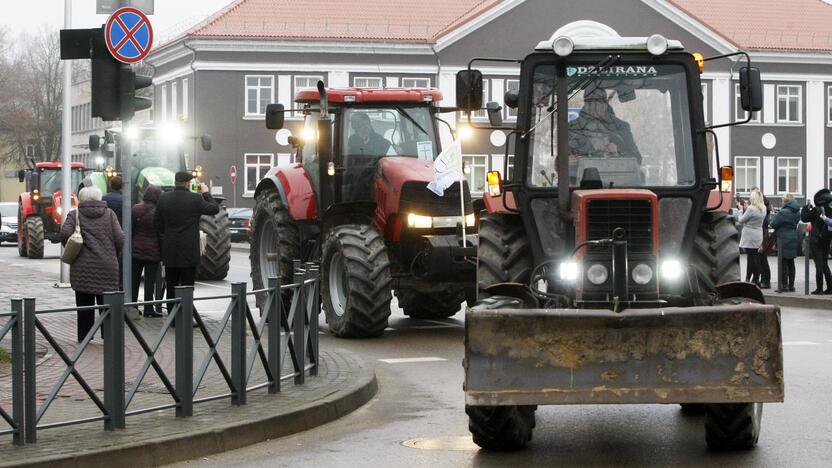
{"x":66,"y":144}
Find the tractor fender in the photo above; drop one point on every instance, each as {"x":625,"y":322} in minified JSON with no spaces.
{"x":501,"y":204}
{"x":25,"y":205}
{"x":740,"y":289}
{"x":294,"y":185}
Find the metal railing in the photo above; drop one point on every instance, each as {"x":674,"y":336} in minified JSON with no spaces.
{"x":288,"y":323}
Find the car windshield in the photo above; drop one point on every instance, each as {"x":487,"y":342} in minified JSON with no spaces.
{"x":50,"y":181}
{"x":630,"y":122}
{"x":8,"y":210}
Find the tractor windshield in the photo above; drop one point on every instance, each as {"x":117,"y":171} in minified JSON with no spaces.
{"x":50,"y":181}
{"x":153,"y":149}
{"x":630,"y":122}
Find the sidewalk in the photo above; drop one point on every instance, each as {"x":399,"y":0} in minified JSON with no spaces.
{"x":343,"y":384}
{"x":799,"y":298}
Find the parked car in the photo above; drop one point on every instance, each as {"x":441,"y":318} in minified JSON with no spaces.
{"x":8,"y":230}
{"x":240,"y":222}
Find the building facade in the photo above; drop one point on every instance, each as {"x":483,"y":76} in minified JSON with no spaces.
{"x":218,"y":77}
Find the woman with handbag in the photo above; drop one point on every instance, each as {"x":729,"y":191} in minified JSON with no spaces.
{"x":752,"y":235}
{"x":94,"y":268}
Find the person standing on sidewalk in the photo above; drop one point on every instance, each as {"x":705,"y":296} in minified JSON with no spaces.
{"x":114,"y":198}
{"x":785,"y":228}
{"x":752,"y":235}
{"x":768,"y":245}
{"x":177,"y":220}
{"x":819,"y":238}
{"x":146,"y":249}
{"x":95,"y":269}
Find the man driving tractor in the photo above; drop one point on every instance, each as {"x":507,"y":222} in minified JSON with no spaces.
{"x":598,"y":132}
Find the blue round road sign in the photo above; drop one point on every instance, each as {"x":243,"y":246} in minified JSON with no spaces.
{"x":128,"y":34}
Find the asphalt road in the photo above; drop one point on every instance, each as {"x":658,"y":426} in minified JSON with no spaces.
{"x":417,"y":418}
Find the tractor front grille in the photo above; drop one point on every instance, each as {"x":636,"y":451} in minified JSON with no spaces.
{"x":633,"y":215}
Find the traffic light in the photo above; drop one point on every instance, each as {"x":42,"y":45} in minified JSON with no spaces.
{"x":114,"y":84}
{"x":130,"y":82}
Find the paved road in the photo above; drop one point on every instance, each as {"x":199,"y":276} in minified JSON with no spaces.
{"x":424,"y":399}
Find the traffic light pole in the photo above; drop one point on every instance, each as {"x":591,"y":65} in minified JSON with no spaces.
{"x":66,"y":144}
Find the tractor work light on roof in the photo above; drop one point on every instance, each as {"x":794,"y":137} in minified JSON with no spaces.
{"x":657,"y":44}
{"x":563,"y":46}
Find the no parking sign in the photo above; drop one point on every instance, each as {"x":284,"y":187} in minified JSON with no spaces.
{"x":129,"y":35}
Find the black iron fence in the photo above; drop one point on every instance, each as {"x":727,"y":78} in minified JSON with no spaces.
{"x":288,"y":323}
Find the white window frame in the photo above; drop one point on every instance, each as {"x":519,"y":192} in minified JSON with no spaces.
{"x":413,"y":79}
{"x":476,"y":161}
{"x":250,"y":193}
{"x":739,"y":114}
{"x":356,"y":78}
{"x":799,"y":189}
{"x":799,"y":96}
{"x":510,"y":114}
{"x":259,"y":89}
{"x":174,"y":112}
{"x":746,"y":166}
{"x":184,"y":99}
{"x":164,"y":99}
{"x":829,"y":105}
{"x":295,"y":87}
{"x":829,"y":172}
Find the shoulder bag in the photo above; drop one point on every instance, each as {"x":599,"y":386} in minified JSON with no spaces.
{"x":74,"y":243}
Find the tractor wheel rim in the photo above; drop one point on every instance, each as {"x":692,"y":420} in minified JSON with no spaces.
{"x":337,"y":281}
{"x":268,"y":245}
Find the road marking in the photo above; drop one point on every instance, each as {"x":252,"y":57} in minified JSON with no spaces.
{"x":441,"y":323}
{"x":800,"y":343}
{"x":389,"y":329}
{"x":211,"y":285}
{"x":429,"y":327}
{"x":415,"y":359}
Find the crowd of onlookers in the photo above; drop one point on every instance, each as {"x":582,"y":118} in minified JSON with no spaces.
{"x":763,"y":231}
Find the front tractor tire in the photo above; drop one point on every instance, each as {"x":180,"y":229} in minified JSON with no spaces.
{"x":355,"y":281}
{"x":716,"y":253}
{"x":504,"y":254}
{"x":213,"y":265}
{"x":430,"y":305}
{"x":34,"y":237}
{"x":275,"y":243}
{"x":732,"y":426}
{"x":501,"y":428}
{"x":21,"y":234}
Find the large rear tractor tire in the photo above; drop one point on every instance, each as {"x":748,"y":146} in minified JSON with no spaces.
{"x":504,"y":253}
{"x":430,"y":305}
{"x":275,"y":243}
{"x":355,"y":281}
{"x":716,"y":253}
{"x":501,"y":428}
{"x":213,"y":265}
{"x":34,"y":237}
{"x":732,"y":426}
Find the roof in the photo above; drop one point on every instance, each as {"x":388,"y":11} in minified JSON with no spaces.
{"x":424,"y":21}
{"x":57,"y":165}
{"x":782,"y":25}
{"x":340,"y":95}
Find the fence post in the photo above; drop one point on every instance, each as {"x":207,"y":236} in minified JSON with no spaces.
{"x":30,"y":428}
{"x":113,"y":327}
{"x":807,"y":255}
{"x":238,"y":344}
{"x":299,"y":323}
{"x":315,"y":301}
{"x":17,"y":372}
{"x":273,"y":324}
{"x":184,"y":344}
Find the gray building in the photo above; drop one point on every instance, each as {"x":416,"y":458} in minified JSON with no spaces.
{"x":217,"y":77}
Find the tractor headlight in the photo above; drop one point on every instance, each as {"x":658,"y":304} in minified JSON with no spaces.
{"x":568,"y":271}
{"x":563,"y":46}
{"x":419,"y":221}
{"x":642,"y":274}
{"x":470,"y":220}
{"x":597,"y":274}
{"x":35,"y":195}
{"x":59,"y":210}
{"x":671,"y":270}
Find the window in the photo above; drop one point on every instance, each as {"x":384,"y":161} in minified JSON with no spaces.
{"x":704,"y":87}
{"x":257,"y":165}
{"x":789,"y":105}
{"x":164,"y":99}
{"x":184,"y":99}
{"x":259,"y":93}
{"x":415,"y":82}
{"x":174,"y":114}
{"x":788,"y":175}
{"x":511,"y":85}
{"x":476,"y":177}
{"x":29,"y":151}
{"x":829,"y":172}
{"x":305,"y":82}
{"x":829,"y":105}
{"x":739,"y":114}
{"x":746,"y":173}
{"x":366,"y":82}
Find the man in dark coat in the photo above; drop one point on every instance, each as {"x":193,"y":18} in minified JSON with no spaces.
{"x":114,"y":198}
{"x":177,"y":221}
{"x":819,"y":239}
{"x":598,"y":132}
{"x":785,"y":228}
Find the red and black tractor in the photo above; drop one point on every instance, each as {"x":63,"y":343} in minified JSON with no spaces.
{"x":39,"y":207}
{"x":358,"y":202}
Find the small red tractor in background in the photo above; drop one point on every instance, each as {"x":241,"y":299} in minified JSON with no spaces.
{"x":39,"y":207}
{"x":358,"y":202}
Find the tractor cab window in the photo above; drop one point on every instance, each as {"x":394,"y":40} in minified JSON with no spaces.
{"x":631,"y":123}
{"x":50,"y":181}
{"x":153,"y":150}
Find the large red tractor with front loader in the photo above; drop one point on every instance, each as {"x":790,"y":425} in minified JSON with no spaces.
{"x":607,"y":271}
{"x":39,"y":207}
{"x":358,"y":202}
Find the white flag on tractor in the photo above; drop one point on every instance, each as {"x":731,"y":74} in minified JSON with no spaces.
{"x":447,"y":168}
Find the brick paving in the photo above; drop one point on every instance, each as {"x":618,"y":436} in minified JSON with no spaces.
{"x":339,"y":372}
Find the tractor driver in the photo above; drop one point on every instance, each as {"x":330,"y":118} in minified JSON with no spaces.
{"x":364,"y":140}
{"x":597,"y":132}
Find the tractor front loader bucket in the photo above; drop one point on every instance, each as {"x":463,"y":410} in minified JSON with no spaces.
{"x":717,"y":354}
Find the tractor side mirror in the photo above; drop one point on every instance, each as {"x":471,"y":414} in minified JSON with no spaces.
{"x":511,"y":99}
{"x":751,"y":90}
{"x":495,"y":114}
{"x":95,"y":142}
{"x":274,"y":116}
{"x":34,"y":181}
{"x":21,"y":175}
{"x":469,"y":90}
{"x":206,"y":142}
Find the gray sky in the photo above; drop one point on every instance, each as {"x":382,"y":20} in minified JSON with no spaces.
{"x":170,"y":16}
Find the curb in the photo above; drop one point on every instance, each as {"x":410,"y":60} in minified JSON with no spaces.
{"x":240,"y":248}
{"x":222,"y":438}
{"x":798,"y":301}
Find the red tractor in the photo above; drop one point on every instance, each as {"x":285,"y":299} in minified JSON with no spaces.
{"x":39,"y":207}
{"x":358,"y":202}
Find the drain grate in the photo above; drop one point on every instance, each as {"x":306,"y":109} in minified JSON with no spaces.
{"x":458,"y":443}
